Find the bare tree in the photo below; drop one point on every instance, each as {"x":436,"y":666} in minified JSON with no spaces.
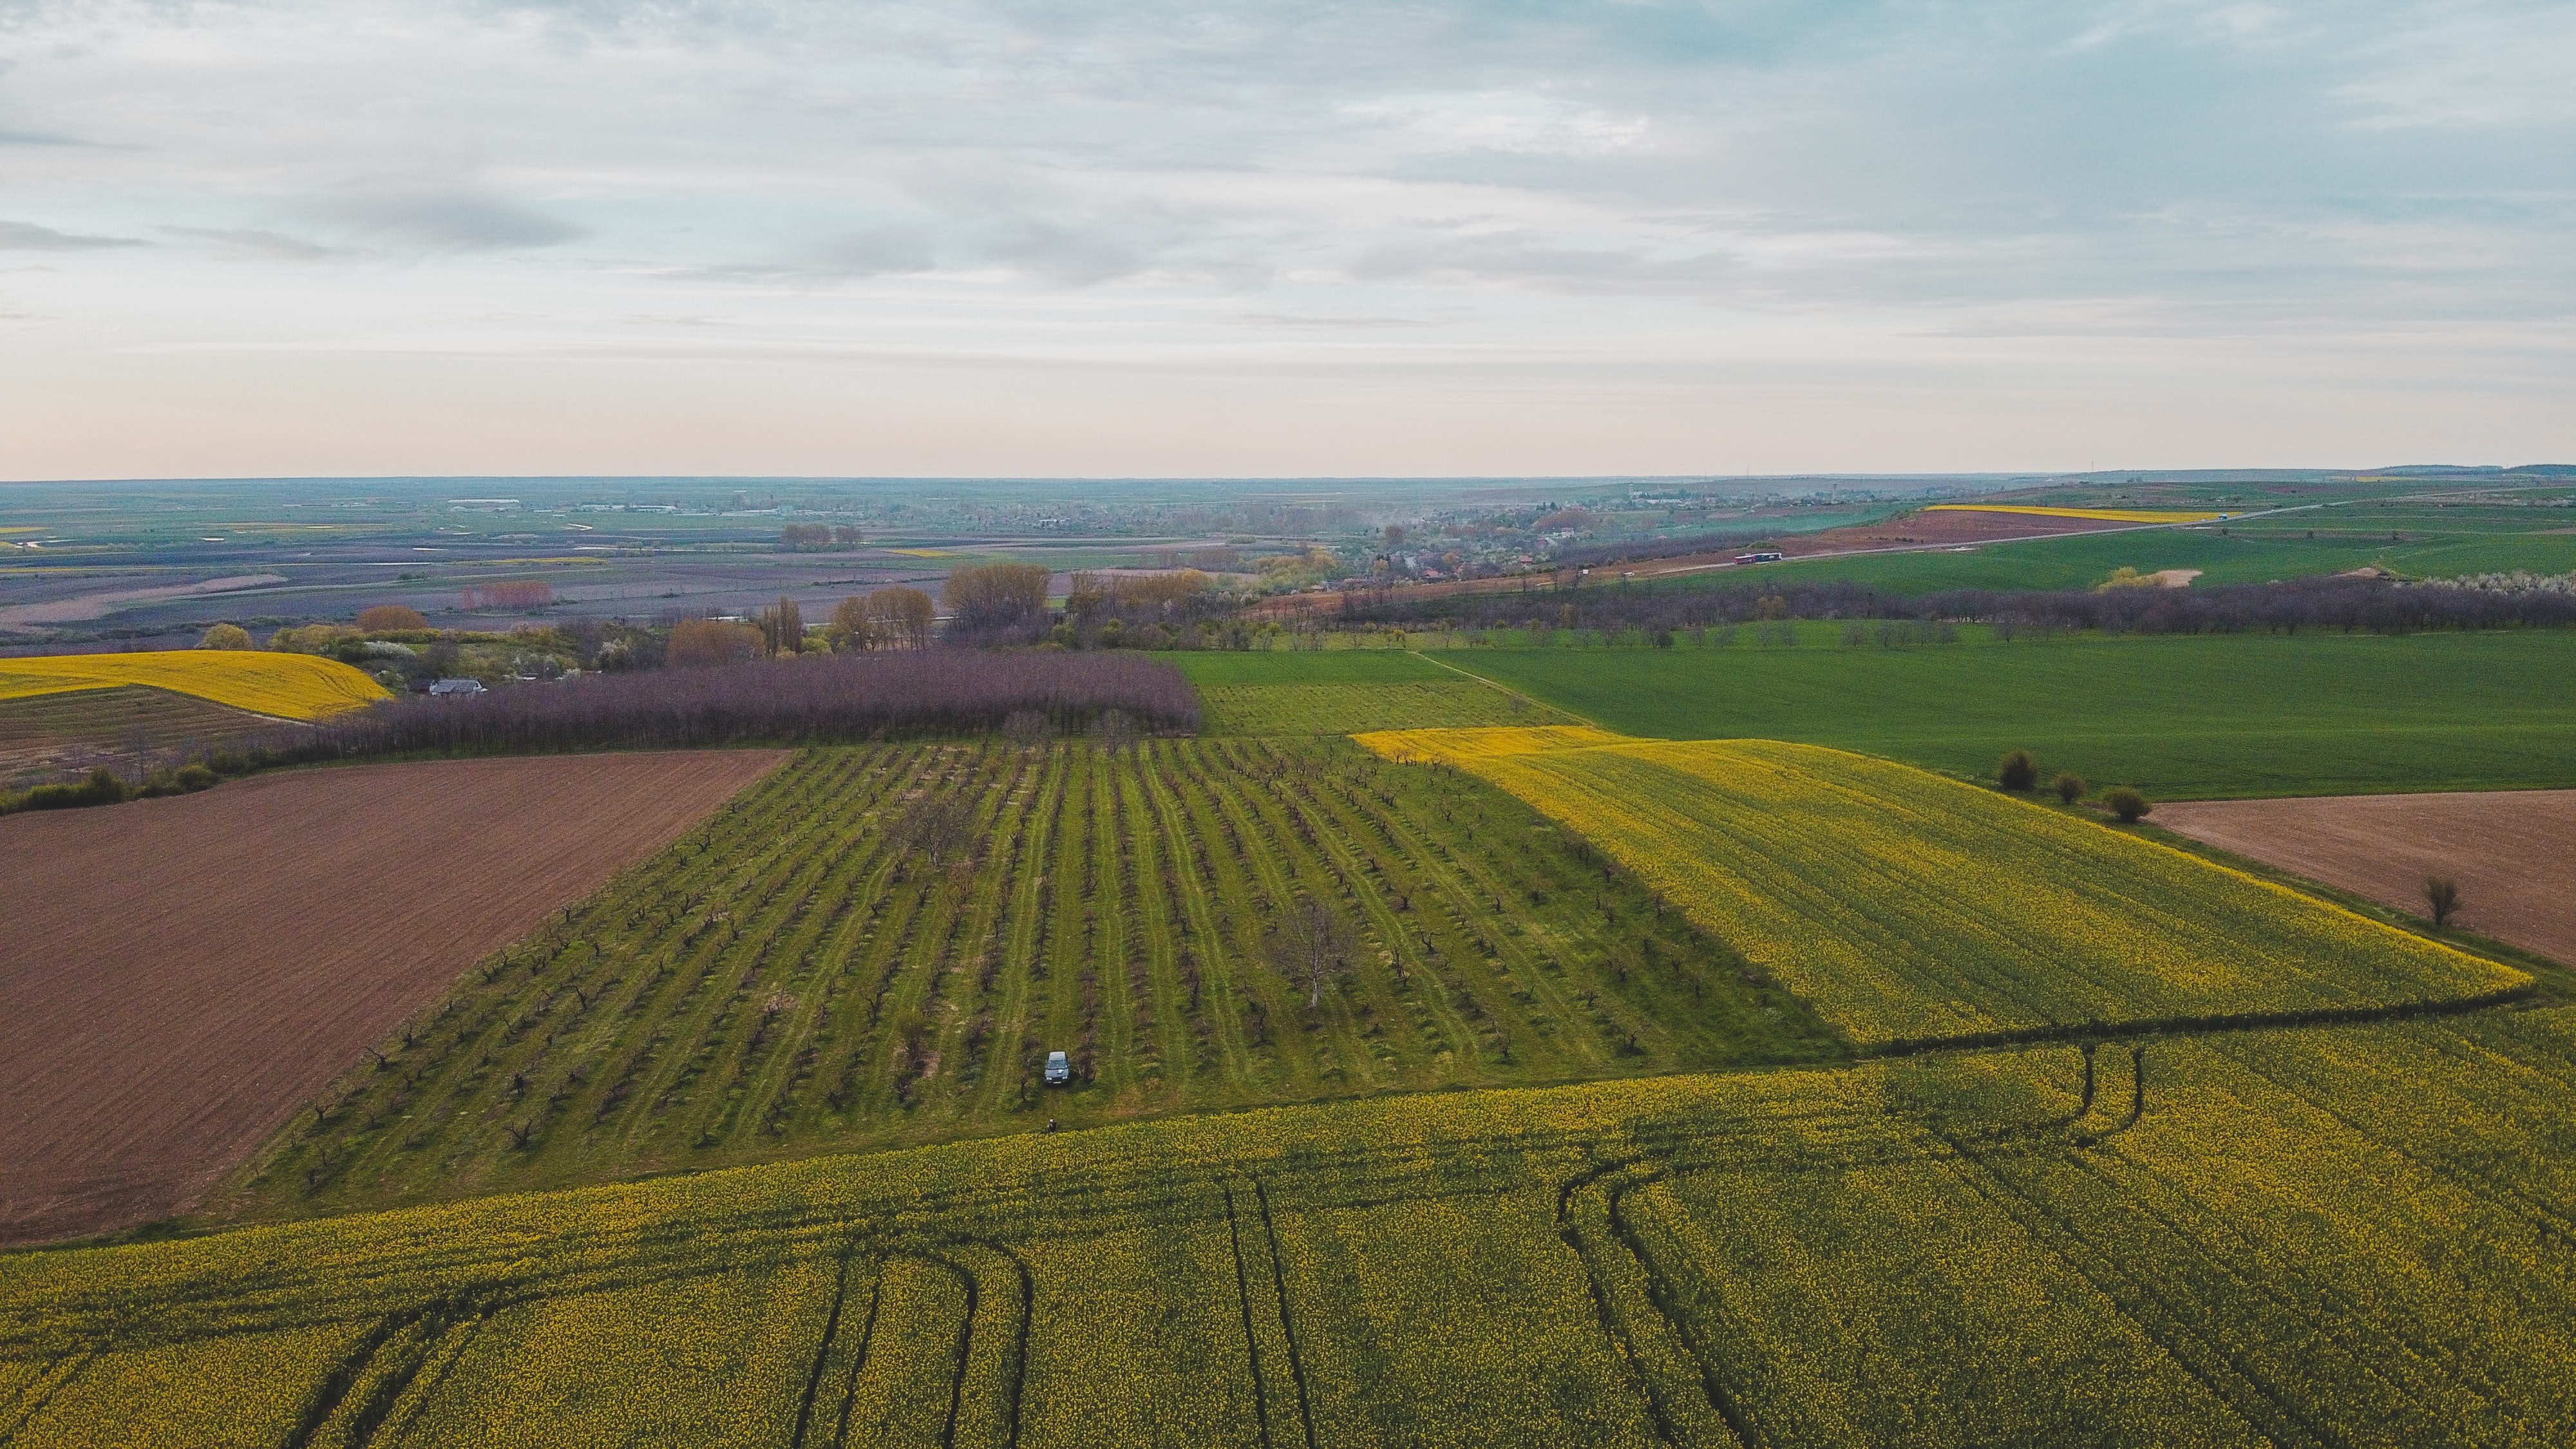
{"x":939,"y":828}
{"x":1026,"y":727}
{"x":1310,"y":941}
{"x":2443,"y":894}
{"x":1115,"y":730}
{"x":900,"y":618}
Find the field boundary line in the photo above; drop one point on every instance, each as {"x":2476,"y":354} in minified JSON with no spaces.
{"x":1425,"y":656}
{"x":2229,"y":1022}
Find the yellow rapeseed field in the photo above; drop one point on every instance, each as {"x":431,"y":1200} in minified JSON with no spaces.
{"x":2102,"y":515}
{"x":288,"y":686}
{"x":1905,"y":906}
{"x":2338,"y":1235}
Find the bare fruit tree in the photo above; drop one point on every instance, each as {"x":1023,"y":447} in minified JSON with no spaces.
{"x":2442,"y":894}
{"x":940,"y":828}
{"x":1310,"y":941}
{"x":1115,"y":730}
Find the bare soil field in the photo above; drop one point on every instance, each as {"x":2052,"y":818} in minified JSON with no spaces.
{"x":182,"y":974}
{"x":2513,"y":852}
{"x":1919,"y":530}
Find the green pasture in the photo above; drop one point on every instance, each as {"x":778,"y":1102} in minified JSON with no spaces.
{"x":2179,"y":717}
{"x":2427,"y":544}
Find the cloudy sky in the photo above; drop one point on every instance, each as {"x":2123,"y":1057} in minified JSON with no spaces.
{"x":1151,"y":238}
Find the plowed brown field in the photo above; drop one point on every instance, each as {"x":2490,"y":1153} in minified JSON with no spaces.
{"x":179,"y":975}
{"x":2513,"y":852}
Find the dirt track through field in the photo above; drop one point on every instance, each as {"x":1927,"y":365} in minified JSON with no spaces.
{"x":181,"y":974}
{"x":2513,"y":852}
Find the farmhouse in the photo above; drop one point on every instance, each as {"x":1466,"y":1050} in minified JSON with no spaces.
{"x":446,"y":687}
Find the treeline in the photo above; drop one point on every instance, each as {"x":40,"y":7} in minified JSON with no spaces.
{"x":824,"y":698}
{"x":2354,"y":605}
{"x":1145,"y":611}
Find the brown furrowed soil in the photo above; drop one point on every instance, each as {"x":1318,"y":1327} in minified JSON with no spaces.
{"x":2513,"y":852}
{"x":1904,"y":533}
{"x":182,"y":974}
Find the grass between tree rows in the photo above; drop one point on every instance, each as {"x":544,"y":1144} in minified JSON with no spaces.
{"x":796,"y":975}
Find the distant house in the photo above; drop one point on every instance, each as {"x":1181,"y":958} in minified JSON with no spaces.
{"x":447,"y":687}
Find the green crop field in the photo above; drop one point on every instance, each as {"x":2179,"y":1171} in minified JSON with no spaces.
{"x":2413,"y":539}
{"x":2308,"y":1237}
{"x":794,"y":974}
{"x":1347,"y":691}
{"x":2180,"y":717}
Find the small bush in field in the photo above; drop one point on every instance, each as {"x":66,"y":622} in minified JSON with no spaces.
{"x":2017,"y":771}
{"x":2126,"y":803}
{"x":2442,"y":894}
{"x":2070,"y":787}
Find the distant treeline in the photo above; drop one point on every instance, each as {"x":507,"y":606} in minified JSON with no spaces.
{"x":2357,"y":605}
{"x":831,"y":697}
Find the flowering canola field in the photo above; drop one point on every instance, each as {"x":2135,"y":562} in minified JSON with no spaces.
{"x":289,"y":686}
{"x":1905,"y":907}
{"x":2339,"y":1235}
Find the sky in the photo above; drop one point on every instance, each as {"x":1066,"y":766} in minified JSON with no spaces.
{"x":980,"y":237}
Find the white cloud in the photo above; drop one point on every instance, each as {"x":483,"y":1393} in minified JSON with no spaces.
{"x":1183,"y":189}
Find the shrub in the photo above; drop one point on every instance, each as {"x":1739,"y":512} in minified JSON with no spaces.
{"x":707,"y":643}
{"x":390,"y":618}
{"x":2017,"y":771}
{"x":311,"y":639}
{"x":2070,"y":787}
{"x":2442,"y":894}
{"x":2126,"y":803}
{"x":225,"y":636}
{"x":101,"y":788}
